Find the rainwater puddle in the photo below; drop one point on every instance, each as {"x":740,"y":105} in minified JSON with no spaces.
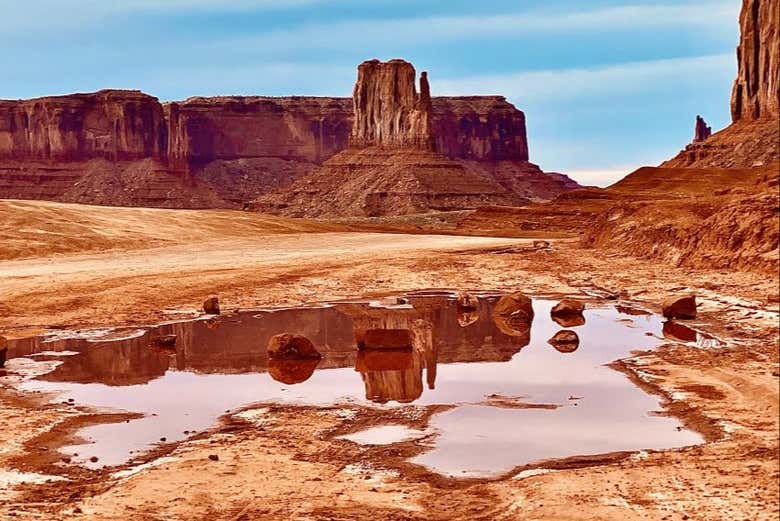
{"x":561,"y":401}
{"x":384,"y":435}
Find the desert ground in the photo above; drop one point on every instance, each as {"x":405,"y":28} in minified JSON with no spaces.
{"x":72,"y":266}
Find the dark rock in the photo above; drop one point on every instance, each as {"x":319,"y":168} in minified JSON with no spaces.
{"x":568,"y":307}
{"x":291,"y":347}
{"x":565,"y":341}
{"x":701,"y":130}
{"x":680,"y":307}
{"x":211,"y":306}
{"x":213,"y":457}
{"x":513,"y":314}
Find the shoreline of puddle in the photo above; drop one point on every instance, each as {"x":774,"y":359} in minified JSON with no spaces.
{"x":545,"y":302}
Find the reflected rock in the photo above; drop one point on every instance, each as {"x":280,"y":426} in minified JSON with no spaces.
{"x":513,"y":314}
{"x":565,"y":341}
{"x":568,"y":307}
{"x":680,"y":307}
{"x":678,"y":332}
{"x":386,"y":339}
{"x":628,"y":310}
{"x":286,"y":346}
{"x":466,"y":318}
{"x":467,"y":302}
{"x":292,"y":371}
{"x":569,"y":320}
{"x":390,"y":375}
{"x":211,"y":306}
{"x":3,"y":350}
{"x":164,"y":341}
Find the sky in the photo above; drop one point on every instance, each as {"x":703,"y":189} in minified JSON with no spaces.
{"x":606,"y":85}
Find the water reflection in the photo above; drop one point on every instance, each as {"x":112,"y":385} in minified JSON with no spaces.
{"x":415,"y":349}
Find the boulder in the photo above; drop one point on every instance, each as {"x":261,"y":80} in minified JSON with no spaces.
{"x":287,"y":346}
{"x":211,"y":306}
{"x":568,"y":307}
{"x":680,"y":307}
{"x":565,"y":341}
{"x":513,"y":314}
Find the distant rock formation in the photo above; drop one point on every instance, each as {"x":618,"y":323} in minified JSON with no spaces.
{"x":125,"y":148}
{"x":756,"y":92}
{"x":753,"y":138}
{"x":701,"y":130}
{"x":388,"y":111}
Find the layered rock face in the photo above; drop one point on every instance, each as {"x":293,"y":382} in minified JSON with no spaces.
{"x":110,"y":124}
{"x":388,"y":111}
{"x":756,"y":92}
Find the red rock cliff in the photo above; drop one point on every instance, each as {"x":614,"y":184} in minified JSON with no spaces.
{"x":756,"y":92}
{"x":110,"y":124}
{"x":388,"y":111}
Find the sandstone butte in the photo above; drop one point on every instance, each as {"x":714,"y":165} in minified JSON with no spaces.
{"x":125,"y":148}
{"x":394,"y":164}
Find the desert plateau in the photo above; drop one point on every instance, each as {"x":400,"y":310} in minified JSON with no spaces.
{"x":385,"y":305}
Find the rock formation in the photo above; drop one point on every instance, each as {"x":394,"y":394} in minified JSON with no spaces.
{"x":110,"y":124}
{"x":753,"y":138}
{"x":701,"y":131}
{"x":388,"y":111}
{"x":756,"y":92}
{"x":126,"y":148}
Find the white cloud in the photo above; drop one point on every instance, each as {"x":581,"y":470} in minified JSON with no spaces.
{"x":567,"y":84}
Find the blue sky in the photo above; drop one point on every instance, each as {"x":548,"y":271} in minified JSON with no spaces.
{"x":606,"y":85}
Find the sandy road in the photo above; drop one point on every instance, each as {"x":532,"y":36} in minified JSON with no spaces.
{"x":134,"y":284}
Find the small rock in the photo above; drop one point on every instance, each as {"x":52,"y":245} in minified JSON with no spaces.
{"x":93,"y":459}
{"x":680,"y":307}
{"x":211,"y":306}
{"x":568,"y":307}
{"x":213,"y":457}
{"x":287,"y":346}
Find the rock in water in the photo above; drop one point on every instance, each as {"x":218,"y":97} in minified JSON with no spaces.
{"x":513,"y":314}
{"x":680,"y":307}
{"x":568,"y":307}
{"x":291,"y":347}
{"x":565,"y":341}
{"x":211,"y":306}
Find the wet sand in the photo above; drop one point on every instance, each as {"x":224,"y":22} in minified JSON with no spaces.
{"x":308,"y":472}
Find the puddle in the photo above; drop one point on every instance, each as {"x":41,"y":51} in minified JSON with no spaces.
{"x":560,"y":403}
{"x":384,"y":435}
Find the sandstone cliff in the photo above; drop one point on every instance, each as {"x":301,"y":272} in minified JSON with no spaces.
{"x":238,"y":148}
{"x":753,"y":138}
{"x":756,"y":92}
{"x":110,"y":124}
